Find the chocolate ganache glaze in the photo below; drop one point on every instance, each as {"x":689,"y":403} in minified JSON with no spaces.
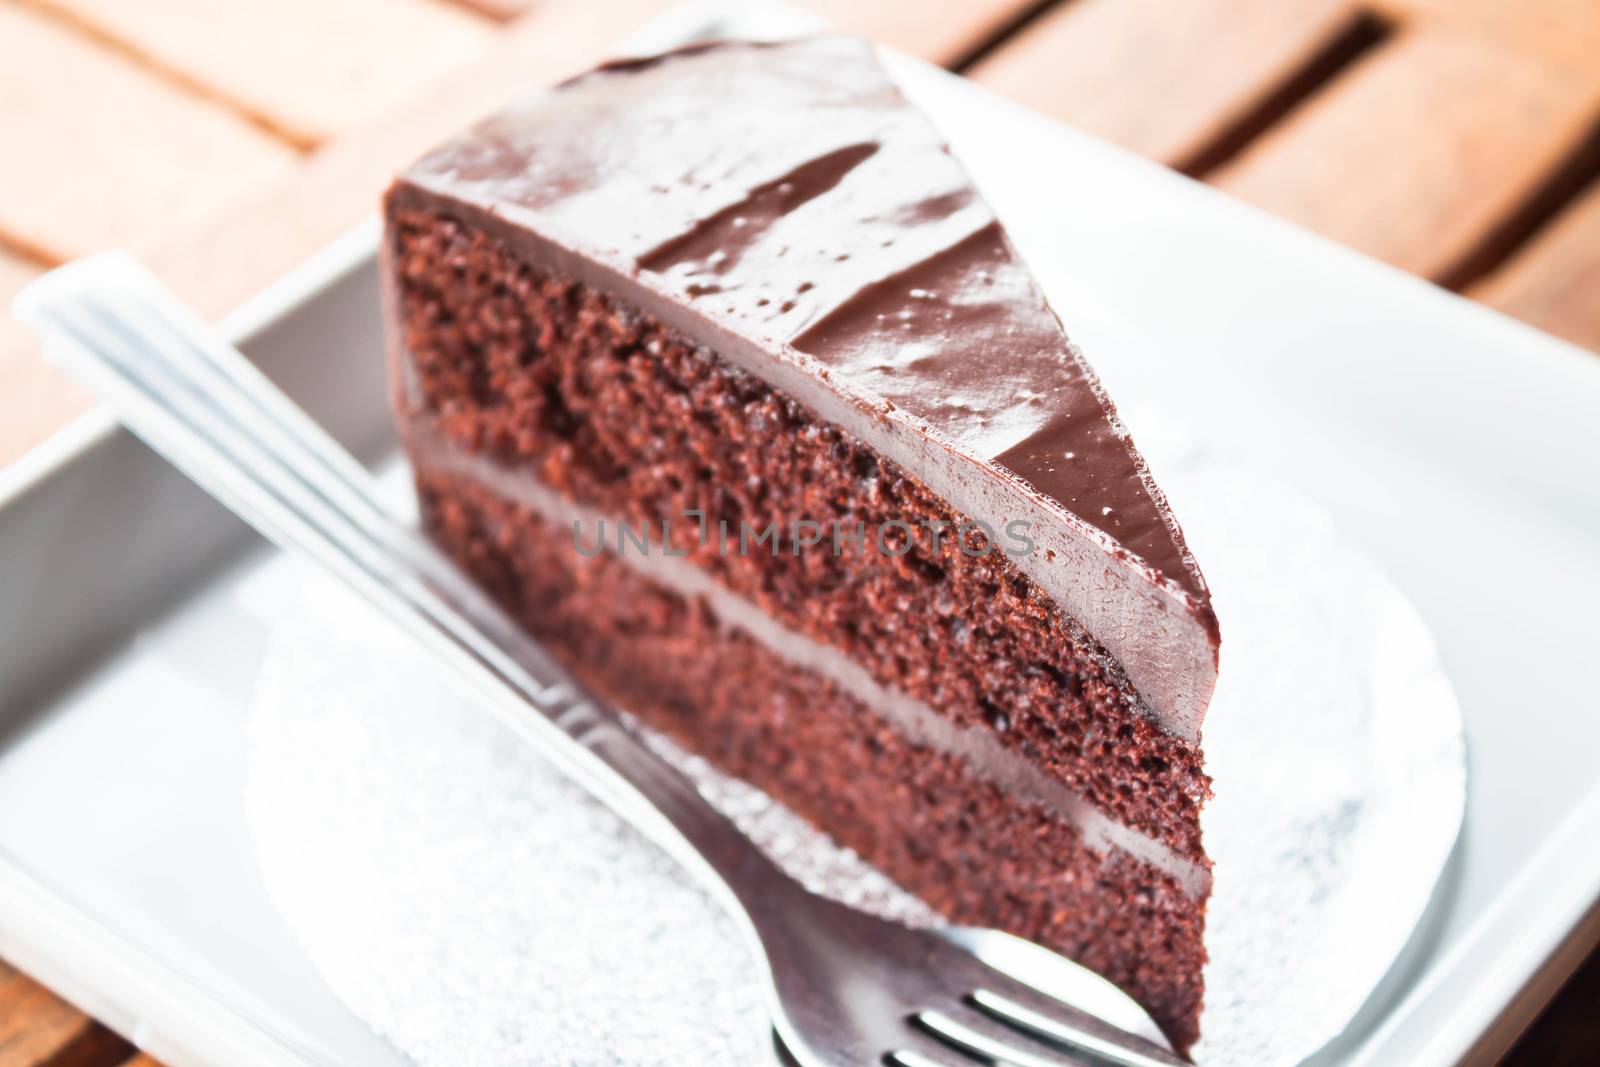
{"x":786,"y":204}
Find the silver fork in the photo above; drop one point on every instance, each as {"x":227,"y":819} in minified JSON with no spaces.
{"x":846,"y":987}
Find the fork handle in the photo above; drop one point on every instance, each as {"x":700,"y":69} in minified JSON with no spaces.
{"x":199,"y":403}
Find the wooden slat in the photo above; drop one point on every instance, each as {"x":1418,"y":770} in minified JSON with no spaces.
{"x":307,"y":68}
{"x":943,"y":34}
{"x":34,"y":399}
{"x":1416,"y":153}
{"x":98,"y":151}
{"x":218,"y":265}
{"x":219,"y":262}
{"x":1554,"y":281}
{"x":38,"y":1029}
{"x":1561,"y":31}
{"x":1164,"y":79}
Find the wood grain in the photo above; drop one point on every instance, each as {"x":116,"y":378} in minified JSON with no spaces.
{"x":306,"y":68}
{"x":1163,"y":79}
{"x":38,"y":1029}
{"x":943,"y":34}
{"x":1554,"y":281}
{"x":1416,"y":153}
{"x":113,"y":153}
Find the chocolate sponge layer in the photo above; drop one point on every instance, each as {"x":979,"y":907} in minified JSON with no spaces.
{"x":971,"y":850}
{"x":624,"y":415}
{"x":555,"y":383}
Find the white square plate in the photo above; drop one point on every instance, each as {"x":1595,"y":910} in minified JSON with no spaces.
{"x":1460,"y":448}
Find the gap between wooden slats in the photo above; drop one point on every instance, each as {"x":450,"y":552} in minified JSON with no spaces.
{"x":1166,"y":80}
{"x":39,"y":1029}
{"x":946,"y":34}
{"x":1553,"y":281}
{"x":306,"y":69}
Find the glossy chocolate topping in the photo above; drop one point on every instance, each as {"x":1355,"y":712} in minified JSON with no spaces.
{"x":788,"y":207}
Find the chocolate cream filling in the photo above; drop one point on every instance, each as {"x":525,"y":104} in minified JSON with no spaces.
{"x":980,"y":750}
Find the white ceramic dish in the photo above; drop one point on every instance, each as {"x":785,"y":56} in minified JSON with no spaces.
{"x":1460,"y":448}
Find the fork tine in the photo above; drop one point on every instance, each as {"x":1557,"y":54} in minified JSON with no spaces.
{"x":233,"y":381}
{"x":910,"y":1058}
{"x":991,"y":1040}
{"x":1023,"y":1009}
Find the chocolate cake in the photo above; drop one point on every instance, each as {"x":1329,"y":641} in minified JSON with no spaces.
{"x":718,"y":372}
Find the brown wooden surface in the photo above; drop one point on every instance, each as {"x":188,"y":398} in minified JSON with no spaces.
{"x":305,"y":69}
{"x":38,"y":1029}
{"x":1554,"y":282}
{"x":142,"y":153}
{"x":226,"y":140}
{"x":1417,"y":151}
{"x":956,"y":32}
{"x":1167,"y":80}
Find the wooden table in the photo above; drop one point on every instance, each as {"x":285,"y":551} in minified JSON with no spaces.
{"x":225,"y":140}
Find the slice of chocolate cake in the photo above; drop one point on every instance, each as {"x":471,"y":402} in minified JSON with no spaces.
{"x":719,"y":373}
